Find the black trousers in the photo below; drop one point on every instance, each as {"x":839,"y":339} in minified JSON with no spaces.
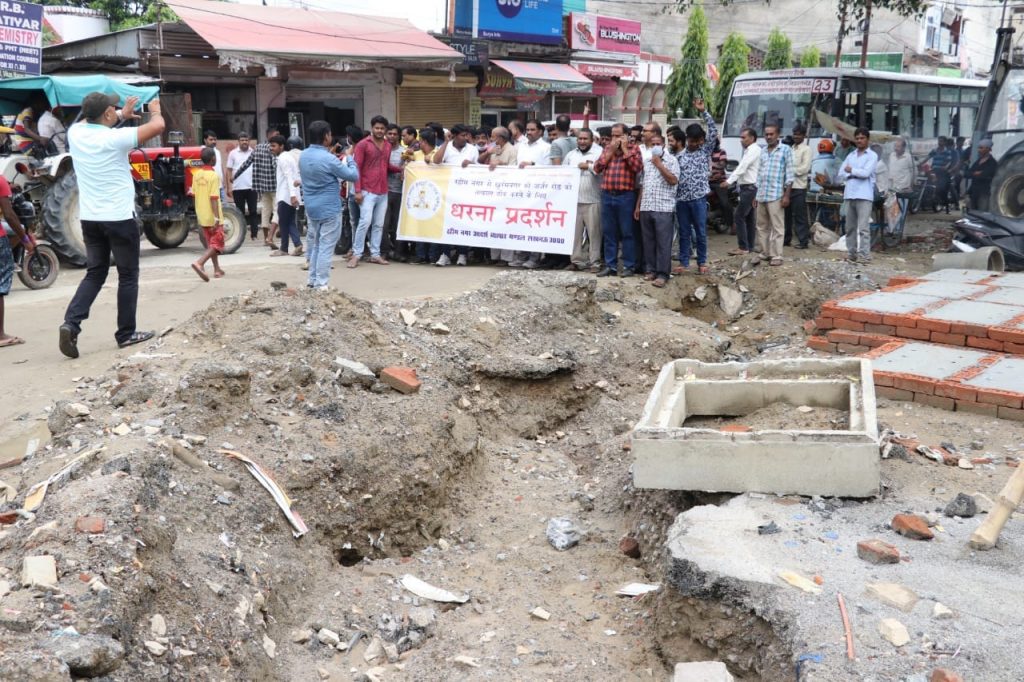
{"x":245,"y":201}
{"x":746,"y":222}
{"x":796,"y":218}
{"x":389,"y":240}
{"x":101,"y":238}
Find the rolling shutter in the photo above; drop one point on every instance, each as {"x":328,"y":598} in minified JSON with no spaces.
{"x":447,"y":106}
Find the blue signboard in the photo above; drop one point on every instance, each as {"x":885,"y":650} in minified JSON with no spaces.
{"x":517,"y":21}
{"x":21,"y":39}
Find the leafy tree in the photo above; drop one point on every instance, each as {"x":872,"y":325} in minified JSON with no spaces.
{"x":810,"y":58}
{"x":732,"y":61}
{"x":124,"y":13}
{"x":689,"y":80}
{"x":780,"y":51}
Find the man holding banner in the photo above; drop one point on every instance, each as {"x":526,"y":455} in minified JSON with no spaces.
{"x":457,"y":152}
{"x":588,"y":208}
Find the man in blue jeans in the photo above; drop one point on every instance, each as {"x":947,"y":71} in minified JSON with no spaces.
{"x":692,"y":150}
{"x":618,"y":167}
{"x":321,"y":173}
{"x":373,"y":159}
{"x":106,"y":206}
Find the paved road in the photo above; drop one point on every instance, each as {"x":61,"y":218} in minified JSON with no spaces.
{"x":35,"y":374}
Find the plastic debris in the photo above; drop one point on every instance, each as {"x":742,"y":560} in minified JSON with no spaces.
{"x":428,"y":591}
{"x":637,"y":589}
{"x":34,"y":496}
{"x":279,"y":495}
{"x":800,"y":582}
{"x":563,"y":533}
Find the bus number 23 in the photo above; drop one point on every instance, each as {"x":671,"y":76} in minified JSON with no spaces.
{"x":823,"y":85}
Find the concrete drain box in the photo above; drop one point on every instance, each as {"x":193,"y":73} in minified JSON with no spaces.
{"x":841,"y":459}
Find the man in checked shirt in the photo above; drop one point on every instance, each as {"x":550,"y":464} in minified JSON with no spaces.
{"x":264,"y":182}
{"x":618,"y":167}
{"x":774,"y":181}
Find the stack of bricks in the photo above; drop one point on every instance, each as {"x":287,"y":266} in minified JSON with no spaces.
{"x":949,"y":339}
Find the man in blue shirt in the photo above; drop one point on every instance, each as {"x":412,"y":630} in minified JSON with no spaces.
{"x":774,"y":182}
{"x":858,"y":172}
{"x":321,"y":173}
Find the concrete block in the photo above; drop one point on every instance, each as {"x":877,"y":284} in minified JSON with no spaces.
{"x":890,"y":302}
{"x":705,"y":671}
{"x":842,"y":462}
{"x":1005,"y":375}
{"x":921,"y":359}
{"x":945,"y":289}
{"x":976,"y":312}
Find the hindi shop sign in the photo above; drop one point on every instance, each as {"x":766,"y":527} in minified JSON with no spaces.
{"x":594,"y":32}
{"x":21,"y":39}
{"x":507,"y":208}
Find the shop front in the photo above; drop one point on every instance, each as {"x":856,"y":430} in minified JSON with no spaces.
{"x":444,"y":99}
{"x":523,"y":90}
{"x":606,"y":50}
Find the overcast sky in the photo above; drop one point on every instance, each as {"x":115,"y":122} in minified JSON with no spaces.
{"x":424,"y":14}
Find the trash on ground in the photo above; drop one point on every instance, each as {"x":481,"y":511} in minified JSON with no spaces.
{"x":428,"y":591}
{"x":637,"y":589}
{"x":279,"y":495}
{"x":563,"y":533}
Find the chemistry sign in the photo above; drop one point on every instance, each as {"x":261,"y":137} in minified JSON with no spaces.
{"x":21,"y":39}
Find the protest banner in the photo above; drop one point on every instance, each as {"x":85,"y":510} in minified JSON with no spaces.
{"x":507,"y":208}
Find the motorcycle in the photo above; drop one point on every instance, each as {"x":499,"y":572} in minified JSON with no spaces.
{"x":977,"y":230}
{"x":39,"y":269}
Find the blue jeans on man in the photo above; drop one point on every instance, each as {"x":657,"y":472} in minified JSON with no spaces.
{"x":692,"y":219}
{"x":321,"y":238}
{"x":617,"y":228}
{"x":371,"y":219}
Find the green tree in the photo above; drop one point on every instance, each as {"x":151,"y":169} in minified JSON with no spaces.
{"x":124,"y":13}
{"x":689,"y":79}
{"x":732,"y":61}
{"x":780,"y":51}
{"x":810,"y":58}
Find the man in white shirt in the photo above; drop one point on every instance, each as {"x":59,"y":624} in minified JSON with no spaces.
{"x":106,"y":207}
{"x":796,"y":212}
{"x":458,"y":151}
{"x":858,"y":172}
{"x":287,"y":197}
{"x":240,"y":186}
{"x":901,"y":167}
{"x":588,"y":208}
{"x":50,"y":128}
{"x":534,"y":152}
{"x":745,"y":177}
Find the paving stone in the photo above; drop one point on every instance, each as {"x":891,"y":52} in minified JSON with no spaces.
{"x":975,"y":312}
{"x":1003,"y":295}
{"x":943,"y":289}
{"x":927,"y":360}
{"x":957,"y":275}
{"x":878,"y":552}
{"x":890,"y":302}
{"x":1005,"y":375}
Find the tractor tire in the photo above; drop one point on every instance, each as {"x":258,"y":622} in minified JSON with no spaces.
{"x":1007,"y":198}
{"x":61,"y":225}
{"x":166,"y":234}
{"x":235,"y":229}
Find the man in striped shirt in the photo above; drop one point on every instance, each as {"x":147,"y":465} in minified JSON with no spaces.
{"x":774,"y":181}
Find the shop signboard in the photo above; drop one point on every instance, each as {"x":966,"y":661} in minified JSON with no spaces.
{"x":516,"y":21}
{"x":21,"y":39}
{"x":474,"y":53}
{"x":597,"y":33}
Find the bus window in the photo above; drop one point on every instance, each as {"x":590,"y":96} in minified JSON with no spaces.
{"x":928,"y":93}
{"x":945,"y":124}
{"x":756,"y":109}
{"x":904,"y":121}
{"x":949,"y":94}
{"x":878,"y":91}
{"x":929,"y":114}
{"x":853,"y":105}
{"x":967,"y":115}
{"x":903,"y":92}
{"x":971,"y":95}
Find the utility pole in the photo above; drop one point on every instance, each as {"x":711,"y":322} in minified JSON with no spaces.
{"x":842,"y":30}
{"x":867,"y":32}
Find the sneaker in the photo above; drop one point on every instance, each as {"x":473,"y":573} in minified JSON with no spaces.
{"x":443,"y":261}
{"x":628,"y":272}
{"x":278,"y":252}
{"x":462,"y":259}
{"x":136,"y":337}
{"x":607,"y":272}
{"x":298,"y":250}
{"x":68,"y":341}
{"x":531,"y":265}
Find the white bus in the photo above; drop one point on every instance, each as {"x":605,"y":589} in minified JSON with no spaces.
{"x":919,"y":108}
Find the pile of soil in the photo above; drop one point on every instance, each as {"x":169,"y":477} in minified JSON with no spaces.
{"x":779,"y":416}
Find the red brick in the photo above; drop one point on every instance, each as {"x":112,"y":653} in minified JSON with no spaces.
{"x":968,"y":329}
{"x":1010,"y":413}
{"x":900,"y":320}
{"x":945,"y":675}
{"x":842,"y":336}
{"x":911,"y":526}
{"x":810,"y":327}
{"x":934,"y":325}
{"x":823,"y":322}
{"x":1013,"y":348}
{"x":878,"y":552}
{"x":851,"y":349}
{"x":894,"y":394}
{"x":948,"y":339}
{"x":999,"y":398}
{"x":402,"y":379}
{"x":8,"y":518}
{"x":874,"y":340}
{"x":630,"y":547}
{"x":935,"y":401}
{"x":832,"y":310}
{"x":866,"y":316}
{"x":905,"y":383}
{"x":984,"y":342}
{"x":840,"y":323}
{"x":90,"y":524}
{"x":822,"y":344}
{"x":883,"y":379}
{"x":1011,"y":335}
{"x":977,"y":408}
{"x":947,"y":389}
{"x":896,"y":281}
{"x":880,"y":329}
{"x":913,"y":333}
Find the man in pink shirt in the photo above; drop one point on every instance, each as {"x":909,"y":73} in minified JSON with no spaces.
{"x":373,"y":159}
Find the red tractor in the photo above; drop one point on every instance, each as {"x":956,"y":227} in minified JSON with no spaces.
{"x":163,"y":179}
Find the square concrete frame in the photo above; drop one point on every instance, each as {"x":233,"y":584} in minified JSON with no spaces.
{"x":831,"y":463}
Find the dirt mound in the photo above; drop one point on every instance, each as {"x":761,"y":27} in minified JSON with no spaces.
{"x":375,"y":474}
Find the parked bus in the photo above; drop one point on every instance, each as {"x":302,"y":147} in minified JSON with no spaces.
{"x":919,"y":108}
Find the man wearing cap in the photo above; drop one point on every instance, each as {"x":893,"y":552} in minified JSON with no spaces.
{"x":106,"y":207}
{"x":980,"y":174}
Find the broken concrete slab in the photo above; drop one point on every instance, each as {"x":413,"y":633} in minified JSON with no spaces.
{"x":704,"y":671}
{"x":39,"y":571}
{"x":671,"y":456}
{"x":893,"y":594}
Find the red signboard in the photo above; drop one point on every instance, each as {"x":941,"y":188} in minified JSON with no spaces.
{"x":603,"y":34}
{"x":601,"y":70}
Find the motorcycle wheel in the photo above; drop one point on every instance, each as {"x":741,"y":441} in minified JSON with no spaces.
{"x":40,"y":270}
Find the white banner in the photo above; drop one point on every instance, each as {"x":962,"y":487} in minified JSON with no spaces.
{"x":784,"y":86}
{"x":508,"y":208}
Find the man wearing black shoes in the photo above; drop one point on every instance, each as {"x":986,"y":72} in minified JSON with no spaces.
{"x":107,"y":211}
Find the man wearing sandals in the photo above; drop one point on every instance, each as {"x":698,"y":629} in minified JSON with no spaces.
{"x":774,"y":181}
{"x":106,"y":206}
{"x":693,"y":150}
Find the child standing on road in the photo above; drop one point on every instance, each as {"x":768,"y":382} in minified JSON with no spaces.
{"x":206,"y":192}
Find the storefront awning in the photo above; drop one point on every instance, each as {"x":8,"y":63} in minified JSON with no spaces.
{"x":245,"y":35}
{"x":539,"y":76}
{"x":605,"y":69}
